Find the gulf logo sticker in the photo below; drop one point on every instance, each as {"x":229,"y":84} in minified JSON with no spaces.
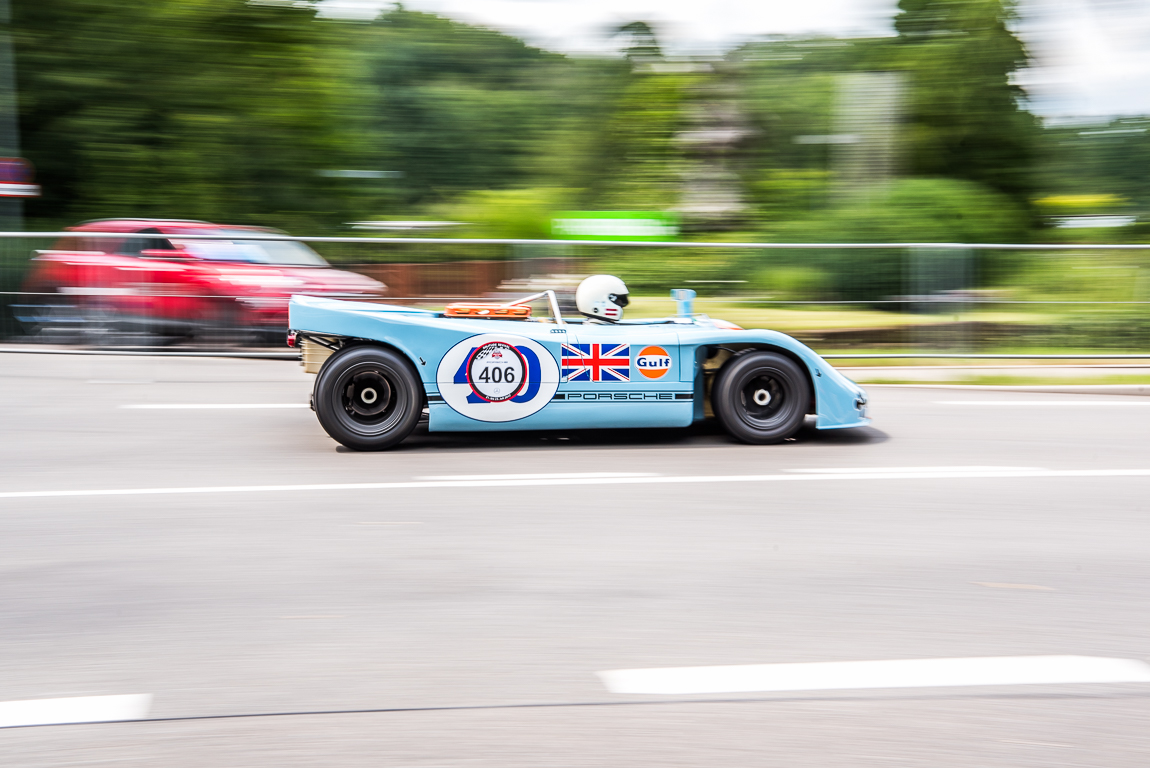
{"x":653,"y":362}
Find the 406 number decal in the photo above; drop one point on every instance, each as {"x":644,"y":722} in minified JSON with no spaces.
{"x":496,"y":371}
{"x":496,"y":377}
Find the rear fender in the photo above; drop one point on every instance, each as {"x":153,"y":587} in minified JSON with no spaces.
{"x":343,"y":342}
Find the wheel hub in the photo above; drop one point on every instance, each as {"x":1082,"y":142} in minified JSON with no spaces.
{"x":763,"y":398}
{"x":367,"y":394}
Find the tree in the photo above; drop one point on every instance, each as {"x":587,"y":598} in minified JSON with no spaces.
{"x":642,"y":42}
{"x":458,"y":107}
{"x":218,"y":109}
{"x":966,"y":118}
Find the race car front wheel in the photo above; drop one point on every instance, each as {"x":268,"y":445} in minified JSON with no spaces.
{"x":368,"y":398}
{"x":761,"y":397}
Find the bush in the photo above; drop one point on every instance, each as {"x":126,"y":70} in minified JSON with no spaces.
{"x":798,"y":283}
{"x":911,"y":210}
{"x":511,"y":213}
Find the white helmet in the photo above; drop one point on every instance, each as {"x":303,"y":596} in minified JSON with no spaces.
{"x":602,"y":296}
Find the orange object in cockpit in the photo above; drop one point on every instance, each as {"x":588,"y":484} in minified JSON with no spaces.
{"x":488,"y":311}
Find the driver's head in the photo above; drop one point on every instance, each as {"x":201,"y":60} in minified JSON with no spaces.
{"x":602,"y":297}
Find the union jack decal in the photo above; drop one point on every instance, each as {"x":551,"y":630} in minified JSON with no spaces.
{"x":596,"y":362}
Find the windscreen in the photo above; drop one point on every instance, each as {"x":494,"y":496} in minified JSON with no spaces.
{"x":281,"y":252}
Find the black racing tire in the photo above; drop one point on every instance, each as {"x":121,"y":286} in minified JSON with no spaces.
{"x":761,"y":397}
{"x":368,"y":398}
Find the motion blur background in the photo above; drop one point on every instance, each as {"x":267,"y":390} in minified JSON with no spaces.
{"x":957,"y":121}
{"x":175,"y":524}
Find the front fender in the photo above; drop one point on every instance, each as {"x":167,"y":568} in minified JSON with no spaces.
{"x":839,"y":402}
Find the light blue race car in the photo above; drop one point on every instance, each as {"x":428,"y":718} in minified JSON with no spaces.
{"x":495,"y":367}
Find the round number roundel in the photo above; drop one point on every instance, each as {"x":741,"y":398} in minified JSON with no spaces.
{"x":496,"y":371}
{"x":497,"y":377}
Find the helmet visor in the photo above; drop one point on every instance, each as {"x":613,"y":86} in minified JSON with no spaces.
{"x":619,"y":299}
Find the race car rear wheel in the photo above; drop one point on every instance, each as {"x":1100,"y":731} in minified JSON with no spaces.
{"x":368,"y":398}
{"x":761,"y":397}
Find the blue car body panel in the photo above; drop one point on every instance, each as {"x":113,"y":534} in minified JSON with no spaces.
{"x":576,"y":375}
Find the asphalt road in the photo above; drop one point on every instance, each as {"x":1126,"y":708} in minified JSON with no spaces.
{"x":462,"y":622}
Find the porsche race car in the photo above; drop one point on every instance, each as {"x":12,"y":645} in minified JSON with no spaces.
{"x":498,"y":367}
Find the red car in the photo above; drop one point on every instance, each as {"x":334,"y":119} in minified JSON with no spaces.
{"x":92,"y":287}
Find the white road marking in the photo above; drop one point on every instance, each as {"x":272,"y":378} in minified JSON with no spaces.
{"x":833,"y":471}
{"x":1128,"y":402}
{"x":903,"y":673}
{"x":81,"y":709}
{"x":209,"y":406}
{"x":560,"y":481}
{"x":1001,"y":585}
{"x":543,"y":476}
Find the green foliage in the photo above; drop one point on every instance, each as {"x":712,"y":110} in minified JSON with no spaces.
{"x":966,"y":119}
{"x":908,"y":211}
{"x":930,"y":211}
{"x":793,"y":282}
{"x":506,"y":213}
{"x":642,"y":43}
{"x":963,"y":117}
{"x":219,"y":110}
{"x":786,"y":194}
{"x":455,"y":103}
{"x":782,"y":105}
{"x":645,"y":161}
{"x":228,"y":110}
{"x":462,"y":108}
{"x":1108,"y":159}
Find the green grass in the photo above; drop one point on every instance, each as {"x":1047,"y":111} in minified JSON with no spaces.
{"x":791,"y":320}
{"x":1002,"y":380}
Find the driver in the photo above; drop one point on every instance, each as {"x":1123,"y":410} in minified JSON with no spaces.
{"x":602,"y":298}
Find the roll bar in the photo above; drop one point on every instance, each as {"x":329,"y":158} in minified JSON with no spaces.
{"x":551,"y":300}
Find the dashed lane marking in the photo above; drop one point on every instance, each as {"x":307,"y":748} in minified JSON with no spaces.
{"x":542,"y":476}
{"x":1036,"y":743}
{"x":208,"y":406}
{"x":1002,"y":585}
{"x":1128,"y":402}
{"x":664,"y":480}
{"x":80,"y":709}
{"x":904,"y":470}
{"x":902,"y":673}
